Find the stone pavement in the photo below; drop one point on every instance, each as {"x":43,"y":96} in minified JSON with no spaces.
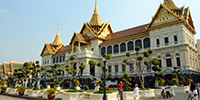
{"x":5,"y":97}
{"x":179,"y":96}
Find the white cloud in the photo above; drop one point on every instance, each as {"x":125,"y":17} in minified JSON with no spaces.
{"x":3,"y":10}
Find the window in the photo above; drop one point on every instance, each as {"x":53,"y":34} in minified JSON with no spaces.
{"x":45,"y":62}
{"x":138,"y":43}
{"x":60,"y":58}
{"x":123,"y":69}
{"x":168,"y":55}
{"x":54,"y":60}
{"x":109,"y":50}
{"x":175,"y":39}
{"x":166,"y":41}
{"x":123,"y":47}
{"x":116,"y":68}
{"x":63,"y":58}
{"x":116,"y":48}
{"x":158,"y":42}
{"x":160,"y":64}
{"x":169,"y":62}
{"x":103,"y":50}
{"x":130,"y":46}
{"x":109,"y":69}
{"x":178,"y":61}
{"x":131,"y":67}
{"x":146,"y":43}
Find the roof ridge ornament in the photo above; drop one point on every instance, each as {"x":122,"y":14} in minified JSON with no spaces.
{"x":57,"y":40}
{"x":96,"y":19}
{"x":170,"y":4}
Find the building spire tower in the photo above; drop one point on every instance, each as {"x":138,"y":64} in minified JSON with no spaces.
{"x":96,"y":21}
{"x":57,"y":40}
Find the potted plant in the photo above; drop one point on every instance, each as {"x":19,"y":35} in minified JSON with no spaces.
{"x":51,"y":93}
{"x":3,"y":89}
{"x":21,"y":90}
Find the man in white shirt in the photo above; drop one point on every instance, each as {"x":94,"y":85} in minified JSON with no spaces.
{"x":135,"y":92}
{"x":167,"y":91}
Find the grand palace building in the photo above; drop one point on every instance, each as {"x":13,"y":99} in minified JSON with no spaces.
{"x":170,"y":34}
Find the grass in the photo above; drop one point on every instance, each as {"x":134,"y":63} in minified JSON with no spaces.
{"x":74,"y":91}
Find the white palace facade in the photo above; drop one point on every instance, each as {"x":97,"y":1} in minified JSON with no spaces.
{"x":170,"y":34}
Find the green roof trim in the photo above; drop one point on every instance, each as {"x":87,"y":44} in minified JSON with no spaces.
{"x":17,"y":65}
{"x":8,"y":66}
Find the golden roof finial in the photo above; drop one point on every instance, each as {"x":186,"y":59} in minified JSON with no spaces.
{"x":96,"y":19}
{"x":96,"y":9}
{"x":57,"y":40}
{"x":58,"y":27}
{"x":170,"y":4}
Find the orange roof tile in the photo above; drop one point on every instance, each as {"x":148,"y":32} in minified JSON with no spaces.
{"x":128,"y":31}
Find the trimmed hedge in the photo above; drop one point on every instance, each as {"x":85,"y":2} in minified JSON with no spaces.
{"x":74,"y":91}
{"x":101,"y":92}
{"x":144,"y":89}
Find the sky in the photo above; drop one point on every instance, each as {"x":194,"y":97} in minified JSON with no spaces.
{"x":25,"y":25}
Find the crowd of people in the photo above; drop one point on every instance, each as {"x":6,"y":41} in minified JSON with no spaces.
{"x":192,"y":95}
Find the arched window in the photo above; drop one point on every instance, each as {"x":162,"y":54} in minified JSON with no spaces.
{"x":123,"y":47}
{"x":54,"y":60}
{"x":103,"y":50}
{"x":168,"y":55}
{"x":116,"y":68}
{"x":138,"y":43}
{"x":130,"y":46}
{"x":116,"y":48}
{"x":60,"y":58}
{"x":146,"y":43}
{"x":109,"y":50}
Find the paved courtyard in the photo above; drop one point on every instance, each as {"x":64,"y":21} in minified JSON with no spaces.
{"x":179,"y":96}
{"x":4,"y":97}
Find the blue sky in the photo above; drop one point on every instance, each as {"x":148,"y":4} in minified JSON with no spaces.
{"x":25,"y":25}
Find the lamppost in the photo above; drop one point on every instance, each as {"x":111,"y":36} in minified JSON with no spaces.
{"x":104,"y":70}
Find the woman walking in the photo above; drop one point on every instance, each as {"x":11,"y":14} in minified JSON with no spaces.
{"x":193,"y":95}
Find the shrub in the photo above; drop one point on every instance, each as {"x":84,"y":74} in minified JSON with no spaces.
{"x":128,"y":54}
{"x":139,"y":58}
{"x":137,"y":48}
{"x":146,"y":54}
{"x":3,"y":88}
{"x":174,"y":80}
{"x":21,"y":89}
{"x":72,"y":57}
{"x":51,"y":91}
{"x":86,"y":87}
{"x":161,"y":81}
{"x":99,"y":64}
{"x":150,"y":51}
{"x":108,"y":56}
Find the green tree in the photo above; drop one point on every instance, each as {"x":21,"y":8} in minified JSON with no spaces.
{"x":158,"y":76}
{"x":72,"y":71}
{"x":55,"y":72}
{"x":126,"y":81}
{"x":36,"y":72}
{"x":99,"y":64}
{"x":141,"y":63}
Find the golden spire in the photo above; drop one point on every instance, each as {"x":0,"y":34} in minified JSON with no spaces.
{"x":96,"y":9}
{"x":170,"y":4}
{"x":96,"y":19}
{"x":57,"y":40}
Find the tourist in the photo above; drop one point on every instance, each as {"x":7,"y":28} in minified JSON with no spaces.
{"x":120,"y":90}
{"x":163,"y":93}
{"x":197,"y":87}
{"x":193,"y":92}
{"x":167,"y":90}
{"x":135,"y":92}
